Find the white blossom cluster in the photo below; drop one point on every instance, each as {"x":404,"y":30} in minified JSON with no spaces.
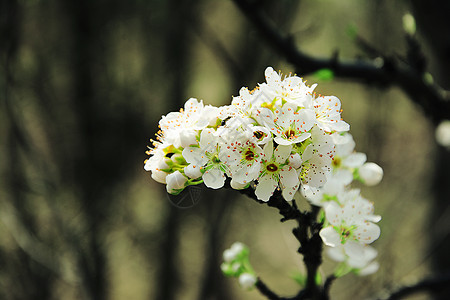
{"x":279,"y":136}
{"x":349,"y":220}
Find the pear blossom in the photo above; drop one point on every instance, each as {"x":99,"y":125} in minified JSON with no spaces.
{"x":291,"y":89}
{"x":287,"y":124}
{"x":328,"y":114}
{"x":276,"y":173}
{"x":244,"y":157}
{"x":280,"y":136}
{"x":361,"y":262}
{"x":204,"y":159}
{"x":351,"y":224}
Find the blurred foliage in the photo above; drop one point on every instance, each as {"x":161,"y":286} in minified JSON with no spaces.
{"x":83,"y":85}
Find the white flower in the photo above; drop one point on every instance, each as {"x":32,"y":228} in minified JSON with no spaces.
{"x":370,"y":173}
{"x":361,"y":258}
{"x":291,"y":89}
{"x":261,"y":134}
{"x":175,"y":182}
{"x":180,"y":128}
{"x":315,"y":168}
{"x":288,"y":125}
{"x":243,"y":156}
{"x":276,"y":172}
{"x":350,"y":224}
{"x":335,"y":184}
{"x":247,"y":101}
{"x":206,"y":158}
{"x":156,"y":163}
{"x":247,"y":281}
{"x":328,"y":114}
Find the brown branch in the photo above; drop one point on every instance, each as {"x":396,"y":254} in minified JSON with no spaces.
{"x":430,"y":284}
{"x":392,"y":72}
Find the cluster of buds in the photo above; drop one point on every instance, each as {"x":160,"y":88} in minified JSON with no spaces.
{"x":236,"y":264}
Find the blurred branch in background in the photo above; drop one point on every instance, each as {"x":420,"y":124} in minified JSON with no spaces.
{"x":433,"y":101}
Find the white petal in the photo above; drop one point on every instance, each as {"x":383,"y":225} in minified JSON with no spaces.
{"x":355,"y":160}
{"x":194,"y":155}
{"x":214,"y":178}
{"x":266,"y":187}
{"x":295,"y":160}
{"x":282,"y":141}
{"x":288,"y":177}
{"x":268,"y":150}
{"x":307,"y":119}
{"x":354,"y":249}
{"x":367,"y":232}
{"x":336,"y":253}
{"x":330,"y":237}
{"x":369,"y":269}
{"x":193,"y":171}
{"x":187,"y":138}
{"x":333,"y":213}
{"x":159,"y":176}
{"x":281,"y":153}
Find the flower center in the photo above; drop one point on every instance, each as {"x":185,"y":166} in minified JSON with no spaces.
{"x":258,"y":134}
{"x":249,"y":155}
{"x":272,"y":168}
{"x":215,"y":159}
{"x":289,"y":134}
{"x":336,"y":162}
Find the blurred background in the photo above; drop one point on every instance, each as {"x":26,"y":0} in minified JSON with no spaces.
{"x":83,"y":85}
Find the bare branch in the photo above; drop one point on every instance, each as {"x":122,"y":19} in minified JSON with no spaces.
{"x":430,"y":98}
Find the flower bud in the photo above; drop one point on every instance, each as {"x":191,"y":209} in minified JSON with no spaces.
{"x":175,"y":181}
{"x":233,"y":252}
{"x":247,"y":280}
{"x":295,"y":160}
{"x":443,"y":134}
{"x":159,"y":176}
{"x":370,"y":173}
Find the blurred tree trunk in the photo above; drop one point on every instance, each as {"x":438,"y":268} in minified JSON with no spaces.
{"x":433,"y":20}
{"x":177,"y":53}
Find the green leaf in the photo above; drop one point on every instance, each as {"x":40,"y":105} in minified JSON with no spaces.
{"x":324,"y":74}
